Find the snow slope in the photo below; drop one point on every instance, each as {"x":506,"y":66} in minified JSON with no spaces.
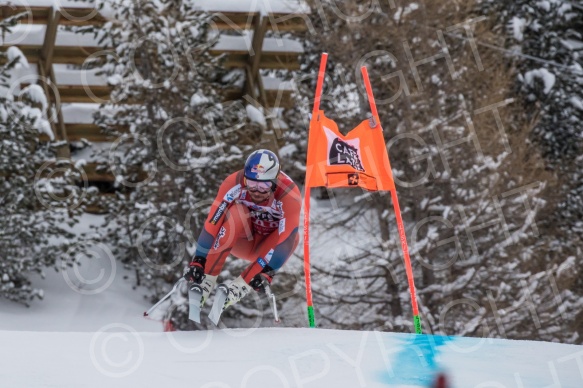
{"x":89,"y":332}
{"x":85,"y":297}
{"x":68,"y":306}
{"x":118,"y":356}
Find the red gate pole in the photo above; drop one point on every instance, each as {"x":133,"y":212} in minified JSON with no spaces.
{"x":311,"y":315}
{"x":397,"y":208}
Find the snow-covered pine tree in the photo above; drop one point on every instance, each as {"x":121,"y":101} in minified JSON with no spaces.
{"x":40,"y":199}
{"x":177,"y":140}
{"x":469,"y":202}
{"x":547,"y":37}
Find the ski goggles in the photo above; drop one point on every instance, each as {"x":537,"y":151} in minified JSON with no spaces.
{"x":258,"y":186}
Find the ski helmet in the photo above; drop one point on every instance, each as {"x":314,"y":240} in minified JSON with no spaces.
{"x":262,"y":165}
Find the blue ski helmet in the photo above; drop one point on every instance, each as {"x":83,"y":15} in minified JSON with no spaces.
{"x":262,"y":165}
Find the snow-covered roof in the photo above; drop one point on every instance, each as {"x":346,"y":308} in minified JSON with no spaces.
{"x":246,"y":6}
{"x":261,"y":6}
{"x":273,"y":83}
{"x":79,"y":113}
{"x":243,"y":43}
{"x":33,"y":35}
{"x":96,"y":152}
{"x":51,"y":3}
{"x":276,"y":45}
{"x":64,"y":75}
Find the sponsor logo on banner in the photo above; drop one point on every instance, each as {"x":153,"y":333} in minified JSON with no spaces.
{"x":342,"y":152}
{"x":221,"y":234}
{"x":219,"y":213}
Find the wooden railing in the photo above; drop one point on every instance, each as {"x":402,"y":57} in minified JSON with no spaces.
{"x":47,"y":49}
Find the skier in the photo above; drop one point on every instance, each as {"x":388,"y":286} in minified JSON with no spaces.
{"x":255,"y":216}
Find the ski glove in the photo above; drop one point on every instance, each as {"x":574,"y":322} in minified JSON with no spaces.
{"x":260,"y":280}
{"x":195,"y":271}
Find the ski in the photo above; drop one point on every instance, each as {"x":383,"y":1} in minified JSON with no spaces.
{"x":220,"y":299}
{"x":194,"y":301}
{"x":172,"y":291}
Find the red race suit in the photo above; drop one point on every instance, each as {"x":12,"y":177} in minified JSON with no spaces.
{"x":266,"y":234}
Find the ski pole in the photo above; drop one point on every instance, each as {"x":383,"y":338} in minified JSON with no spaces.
{"x":172,"y":291}
{"x":271,"y":299}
